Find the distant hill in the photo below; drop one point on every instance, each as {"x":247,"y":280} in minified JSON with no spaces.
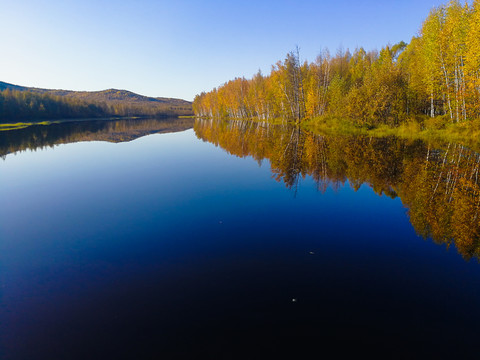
{"x":113,"y":101}
{"x":4,"y":85}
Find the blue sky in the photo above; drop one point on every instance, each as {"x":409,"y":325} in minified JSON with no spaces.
{"x":180,"y":48}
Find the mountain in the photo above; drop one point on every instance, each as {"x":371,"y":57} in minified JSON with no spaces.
{"x":117,"y":102}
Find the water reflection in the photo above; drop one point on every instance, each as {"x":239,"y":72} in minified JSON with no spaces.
{"x":40,"y":136}
{"x":438,"y":183}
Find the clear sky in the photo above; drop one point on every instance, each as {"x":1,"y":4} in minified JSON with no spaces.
{"x":178,"y":48}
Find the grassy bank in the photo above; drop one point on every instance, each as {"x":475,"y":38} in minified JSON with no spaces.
{"x":21,"y":125}
{"x":424,"y":128}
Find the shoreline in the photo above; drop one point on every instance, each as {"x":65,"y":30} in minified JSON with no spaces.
{"x":421,"y":128}
{"x":466,"y":133}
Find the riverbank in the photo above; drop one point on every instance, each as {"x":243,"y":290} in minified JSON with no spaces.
{"x":424,"y":128}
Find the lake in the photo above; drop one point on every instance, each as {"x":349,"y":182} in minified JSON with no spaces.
{"x":175,"y":239}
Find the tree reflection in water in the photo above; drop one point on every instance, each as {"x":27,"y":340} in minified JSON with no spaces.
{"x":438,"y":183}
{"x":40,"y":136}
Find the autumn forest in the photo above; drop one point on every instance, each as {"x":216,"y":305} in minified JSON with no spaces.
{"x":432,"y":81}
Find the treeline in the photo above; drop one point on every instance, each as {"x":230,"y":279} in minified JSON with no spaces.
{"x":40,"y":104}
{"x":25,"y":105}
{"x":437,"y":74}
{"x":439,"y":184}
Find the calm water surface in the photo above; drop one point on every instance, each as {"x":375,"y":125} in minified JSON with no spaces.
{"x":234,"y":240}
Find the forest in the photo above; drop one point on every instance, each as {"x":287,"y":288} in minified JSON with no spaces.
{"x":433,"y":81}
{"x":23,"y":105}
{"x":19,"y":103}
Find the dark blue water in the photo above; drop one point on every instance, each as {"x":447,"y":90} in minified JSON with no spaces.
{"x":169,"y":247}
